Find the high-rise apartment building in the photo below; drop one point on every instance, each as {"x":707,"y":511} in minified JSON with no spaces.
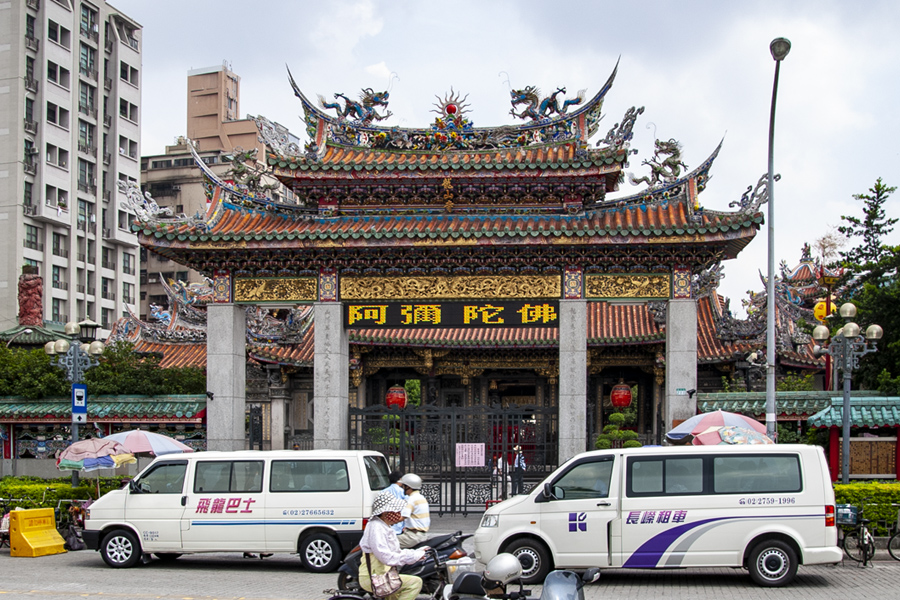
{"x":70,"y":97}
{"x":175,"y":182}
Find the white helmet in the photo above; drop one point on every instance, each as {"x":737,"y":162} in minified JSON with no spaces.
{"x":412,"y":480}
{"x":501,"y":569}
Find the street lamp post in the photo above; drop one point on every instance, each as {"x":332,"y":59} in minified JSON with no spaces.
{"x":847,"y":347}
{"x":75,"y":359}
{"x":23,"y":332}
{"x":779,"y":48}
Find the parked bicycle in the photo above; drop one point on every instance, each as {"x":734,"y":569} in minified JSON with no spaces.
{"x":894,"y":542}
{"x":859,"y":544}
{"x":6,"y":505}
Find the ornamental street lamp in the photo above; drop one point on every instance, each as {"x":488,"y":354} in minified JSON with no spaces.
{"x":23,"y":332}
{"x":779,"y":48}
{"x":846,"y":348}
{"x":75,"y":359}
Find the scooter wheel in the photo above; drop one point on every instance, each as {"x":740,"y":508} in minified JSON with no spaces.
{"x":347,"y":582}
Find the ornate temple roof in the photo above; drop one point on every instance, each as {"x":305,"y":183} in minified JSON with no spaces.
{"x":109,"y":409}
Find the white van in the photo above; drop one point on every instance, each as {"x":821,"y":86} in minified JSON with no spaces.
{"x":766,"y":508}
{"x":314,"y":503}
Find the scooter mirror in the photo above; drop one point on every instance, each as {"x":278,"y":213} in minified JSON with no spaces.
{"x":591,"y":575}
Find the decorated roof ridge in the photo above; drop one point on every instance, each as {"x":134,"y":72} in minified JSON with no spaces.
{"x":451,"y":132}
{"x":864,"y":412}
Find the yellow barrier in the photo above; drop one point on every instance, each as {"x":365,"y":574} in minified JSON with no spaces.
{"x":33,"y":532}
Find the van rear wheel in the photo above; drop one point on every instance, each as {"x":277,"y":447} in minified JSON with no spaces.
{"x":320,"y":553}
{"x":120,"y":549}
{"x":534,"y":558}
{"x":772,"y":563}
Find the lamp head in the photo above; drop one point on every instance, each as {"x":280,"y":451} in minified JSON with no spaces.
{"x":874,"y":332}
{"x":88,"y":330}
{"x":72,"y":328}
{"x":49,"y":348}
{"x":851,"y":330}
{"x":848,"y":310}
{"x":61,"y":346}
{"x":821,"y":333}
{"x":780,"y":47}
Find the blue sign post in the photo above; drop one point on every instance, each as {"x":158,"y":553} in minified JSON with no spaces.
{"x":79,"y":404}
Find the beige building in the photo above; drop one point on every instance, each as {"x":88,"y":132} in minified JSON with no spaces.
{"x":175,"y":182}
{"x":70,"y":97}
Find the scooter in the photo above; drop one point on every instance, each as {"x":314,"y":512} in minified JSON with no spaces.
{"x":447,"y":547}
{"x":440,"y":581}
{"x":504,"y":571}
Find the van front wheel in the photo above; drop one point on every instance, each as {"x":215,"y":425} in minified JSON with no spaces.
{"x":534,"y":558}
{"x":120,"y":549}
{"x":320,"y":553}
{"x":772,"y":563}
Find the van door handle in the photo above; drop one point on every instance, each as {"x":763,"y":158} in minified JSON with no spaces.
{"x":184,"y":500}
{"x":604,"y":504}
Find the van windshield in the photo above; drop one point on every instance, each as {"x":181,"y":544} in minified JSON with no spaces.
{"x":376,"y":472}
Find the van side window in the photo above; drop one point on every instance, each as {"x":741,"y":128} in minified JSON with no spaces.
{"x":165,"y":478}
{"x":376,"y":472}
{"x":763,"y":473}
{"x":665,"y":476}
{"x":586,"y":480}
{"x":309,"y":476}
{"x":228,"y":476}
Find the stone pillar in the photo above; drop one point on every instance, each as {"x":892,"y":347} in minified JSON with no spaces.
{"x":331,"y":385}
{"x":279,"y":396}
{"x":226,"y":374}
{"x":572,"y":377}
{"x":681,"y":361}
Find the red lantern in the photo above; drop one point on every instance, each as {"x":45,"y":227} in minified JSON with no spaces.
{"x":396,"y":396}
{"x":621,"y":395}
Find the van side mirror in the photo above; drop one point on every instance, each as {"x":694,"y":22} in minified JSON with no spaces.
{"x":553,"y":493}
{"x":133,"y":487}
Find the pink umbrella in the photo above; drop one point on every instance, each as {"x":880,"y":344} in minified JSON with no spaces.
{"x":139,"y":441}
{"x":699,"y":424}
{"x":730,"y":435}
{"x":92,"y":448}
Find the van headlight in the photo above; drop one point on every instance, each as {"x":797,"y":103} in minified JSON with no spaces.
{"x":87,"y":513}
{"x":490,"y":520}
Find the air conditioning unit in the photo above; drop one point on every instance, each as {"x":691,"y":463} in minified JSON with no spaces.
{"x":93,"y":218}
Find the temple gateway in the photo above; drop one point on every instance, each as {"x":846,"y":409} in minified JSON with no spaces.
{"x":488,"y":263}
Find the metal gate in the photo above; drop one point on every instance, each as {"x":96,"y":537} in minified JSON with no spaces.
{"x":423,"y":440}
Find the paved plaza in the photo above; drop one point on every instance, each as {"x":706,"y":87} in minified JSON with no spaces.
{"x":281,"y":577}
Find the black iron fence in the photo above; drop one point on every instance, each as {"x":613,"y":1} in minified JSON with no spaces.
{"x":425,"y":440}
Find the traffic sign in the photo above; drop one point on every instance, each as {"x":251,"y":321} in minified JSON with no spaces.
{"x":79,"y":403}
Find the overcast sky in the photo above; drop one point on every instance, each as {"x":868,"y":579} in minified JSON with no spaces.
{"x":702,"y":70}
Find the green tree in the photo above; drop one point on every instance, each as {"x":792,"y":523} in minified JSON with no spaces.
{"x":880,"y":304}
{"x":872,"y":257}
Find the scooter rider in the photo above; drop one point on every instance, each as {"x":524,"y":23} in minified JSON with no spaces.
{"x":418,"y":521}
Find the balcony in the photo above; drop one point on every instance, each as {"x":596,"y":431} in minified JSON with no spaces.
{"x":87,"y":148}
{"x":81,"y":257}
{"x":33,"y":245}
{"x":107,"y":120}
{"x":108,"y":45}
{"x":89,"y":72}
{"x":131,"y":42}
{"x":107,"y":83}
{"x":88,"y":188}
{"x":31,"y":84}
{"x":87,"y":109}
{"x":92,"y":34}
{"x":91,"y":291}
{"x":107,"y":196}
{"x":33,"y":4}
{"x":79,"y":288}
{"x":30,"y":166}
{"x":30,"y":126}
{"x":128,"y":299}
{"x":128,"y":270}
{"x":32,"y":43}
{"x":60,"y":285}
{"x":109,"y":265}
{"x":106,"y":158}
{"x":107,"y":295}
{"x":107,"y":232}
{"x":61,"y":252}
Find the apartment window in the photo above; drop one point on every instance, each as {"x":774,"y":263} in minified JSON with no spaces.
{"x":128,"y":73}
{"x":89,"y":26}
{"x":29,"y":67}
{"x":58,"y":277}
{"x":91,"y":256}
{"x":86,"y":136}
{"x":56,"y":197}
{"x":128,"y":293}
{"x":106,"y":318}
{"x":128,"y":263}
{"x":124,"y":221}
{"x":127,"y":110}
{"x":181,"y":276}
{"x":58,"y":310}
{"x":28,"y":194}
{"x":108,"y":256}
{"x":57,"y":115}
{"x":32,"y":237}
{"x":34,"y":264}
{"x":59,"y":245}
{"x":57,"y":156}
{"x":87,"y":96}
{"x":29,"y":26}
{"x":59,"y":34}
{"x":57,"y":74}
{"x":127,"y":147}
{"x":87,"y":63}
{"x":29,"y":109}
{"x":106,"y":288}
